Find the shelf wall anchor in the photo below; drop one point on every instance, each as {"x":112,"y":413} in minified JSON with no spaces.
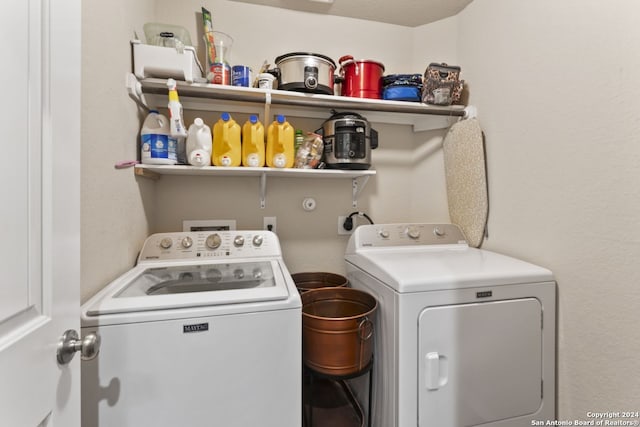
{"x":470,"y":112}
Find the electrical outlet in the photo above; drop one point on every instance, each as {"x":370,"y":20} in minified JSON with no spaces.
{"x":269,"y":223}
{"x":341,"y":229}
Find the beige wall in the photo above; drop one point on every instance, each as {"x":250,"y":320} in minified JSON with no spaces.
{"x":556,"y":86}
{"x":116,"y":209}
{"x":120,"y":210}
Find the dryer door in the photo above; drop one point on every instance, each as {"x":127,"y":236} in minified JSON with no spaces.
{"x":479,"y":363}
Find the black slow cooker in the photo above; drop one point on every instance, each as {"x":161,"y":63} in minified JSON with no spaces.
{"x":348,"y":141}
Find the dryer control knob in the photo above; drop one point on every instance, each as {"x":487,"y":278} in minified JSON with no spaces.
{"x":213,"y":241}
{"x":438,"y":232}
{"x":238,"y":241}
{"x":186,"y":242}
{"x":384,"y":234}
{"x":166,"y":243}
{"x":257,"y":240}
{"x":413,"y":233}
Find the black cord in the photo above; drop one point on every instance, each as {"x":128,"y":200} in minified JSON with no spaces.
{"x":348,"y":222}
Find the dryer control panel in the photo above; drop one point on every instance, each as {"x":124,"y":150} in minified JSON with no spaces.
{"x":210,"y":244}
{"x":409,"y":234}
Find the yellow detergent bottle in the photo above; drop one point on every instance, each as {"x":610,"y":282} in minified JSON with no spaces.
{"x":227,"y":148}
{"x":253,"y":143}
{"x":280,"y":151}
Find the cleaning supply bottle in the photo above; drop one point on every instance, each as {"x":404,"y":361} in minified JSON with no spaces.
{"x":157,"y":147}
{"x":280,"y":135}
{"x":227,"y":146}
{"x":176,"y":122}
{"x":175,"y":111}
{"x":199,"y":143}
{"x":253,"y":142}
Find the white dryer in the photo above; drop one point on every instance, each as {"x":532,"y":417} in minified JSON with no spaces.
{"x":204,"y":331}
{"x":464,"y":336}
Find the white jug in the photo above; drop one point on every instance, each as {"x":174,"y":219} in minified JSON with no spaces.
{"x":199,"y":143}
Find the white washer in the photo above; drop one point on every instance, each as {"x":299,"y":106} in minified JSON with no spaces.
{"x":464,"y":336}
{"x":205,"y":330}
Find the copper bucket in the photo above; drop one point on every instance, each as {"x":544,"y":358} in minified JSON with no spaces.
{"x":308,"y":281}
{"x":337,"y":330}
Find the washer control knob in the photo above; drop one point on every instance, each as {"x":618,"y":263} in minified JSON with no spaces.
{"x":186,"y":242}
{"x":238,"y":241}
{"x":258,"y":240}
{"x":413,"y":233}
{"x":384,"y":234}
{"x":438,"y":232}
{"x":213,"y":241}
{"x":166,"y":243}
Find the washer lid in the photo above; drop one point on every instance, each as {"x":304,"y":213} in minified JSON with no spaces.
{"x":417,"y":269}
{"x":190,"y":284}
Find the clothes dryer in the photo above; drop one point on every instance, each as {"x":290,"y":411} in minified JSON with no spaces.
{"x":464,"y":336}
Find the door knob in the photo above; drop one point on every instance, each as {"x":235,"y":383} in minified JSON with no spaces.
{"x":70,"y":343}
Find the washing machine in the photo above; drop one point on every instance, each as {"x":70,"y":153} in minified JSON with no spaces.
{"x":463,"y":336}
{"x":205,"y":330}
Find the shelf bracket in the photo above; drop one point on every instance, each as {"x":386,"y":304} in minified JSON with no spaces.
{"x":263,"y":190}
{"x":267,"y":106}
{"x":134,"y":88}
{"x":357,"y":185}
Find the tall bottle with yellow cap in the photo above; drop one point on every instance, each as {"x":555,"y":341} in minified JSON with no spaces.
{"x":177,"y":130}
{"x":253,"y":142}
{"x":227,"y":145}
{"x":280,"y":142}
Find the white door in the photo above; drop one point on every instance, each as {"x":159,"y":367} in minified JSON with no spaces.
{"x":39,"y":210}
{"x":480,"y":363}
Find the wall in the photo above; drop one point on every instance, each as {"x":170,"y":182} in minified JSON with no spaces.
{"x":309,"y":239}
{"x":117,"y":209}
{"x":556,"y":86}
{"x":120,"y":210}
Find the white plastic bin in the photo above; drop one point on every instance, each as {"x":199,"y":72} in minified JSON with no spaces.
{"x":165,"y":62}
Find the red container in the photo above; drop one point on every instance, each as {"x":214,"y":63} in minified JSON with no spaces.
{"x":361,"y":78}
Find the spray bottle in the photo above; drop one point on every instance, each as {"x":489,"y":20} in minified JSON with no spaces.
{"x":178,"y":132}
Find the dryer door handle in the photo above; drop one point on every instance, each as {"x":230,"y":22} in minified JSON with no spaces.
{"x":435,"y":370}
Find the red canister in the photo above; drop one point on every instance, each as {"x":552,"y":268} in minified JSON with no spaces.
{"x":361,"y":78}
{"x":219,"y":73}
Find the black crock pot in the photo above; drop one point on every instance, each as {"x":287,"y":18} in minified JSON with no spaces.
{"x":348,"y":141}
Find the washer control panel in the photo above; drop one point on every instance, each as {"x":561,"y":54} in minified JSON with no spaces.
{"x":210,"y":244}
{"x":382,"y":235}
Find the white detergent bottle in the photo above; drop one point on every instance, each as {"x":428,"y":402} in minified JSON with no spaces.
{"x":199,"y":144}
{"x":157,"y":147}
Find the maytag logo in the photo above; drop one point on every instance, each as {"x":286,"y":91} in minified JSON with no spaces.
{"x":484,"y":294}
{"x":198,"y":327}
